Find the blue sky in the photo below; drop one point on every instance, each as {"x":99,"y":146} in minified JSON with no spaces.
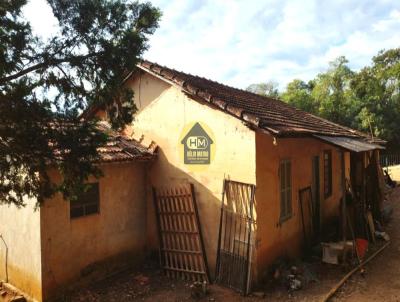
{"x":240,"y":42}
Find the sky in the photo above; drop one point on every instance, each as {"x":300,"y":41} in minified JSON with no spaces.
{"x":241,"y":42}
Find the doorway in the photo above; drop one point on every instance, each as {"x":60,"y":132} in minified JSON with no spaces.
{"x":234,"y":243}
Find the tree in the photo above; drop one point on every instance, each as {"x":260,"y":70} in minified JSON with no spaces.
{"x":367,"y":100}
{"x":45,"y":85}
{"x":377,"y":88}
{"x":299,"y":94}
{"x":269,"y":89}
{"x":332,"y":92}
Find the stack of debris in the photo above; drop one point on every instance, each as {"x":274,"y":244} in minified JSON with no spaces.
{"x":291,"y":275}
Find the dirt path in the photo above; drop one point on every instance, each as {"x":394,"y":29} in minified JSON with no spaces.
{"x":382,"y":280}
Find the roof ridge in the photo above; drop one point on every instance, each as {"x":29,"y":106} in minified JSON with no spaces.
{"x":271,"y":114}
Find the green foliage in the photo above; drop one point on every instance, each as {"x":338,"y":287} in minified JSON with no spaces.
{"x":331,"y":92}
{"x":367,"y":100}
{"x":45,"y":85}
{"x":377,"y":87}
{"x":298,"y":94}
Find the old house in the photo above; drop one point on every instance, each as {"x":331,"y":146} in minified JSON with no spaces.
{"x":256,"y":140}
{"x":44,"y":251}
{"x":216,"y":138}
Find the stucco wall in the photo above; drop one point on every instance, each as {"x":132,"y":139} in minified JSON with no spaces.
{"x":20,"y":229}
{"x":163,"y":113}
{"x":394,"y":172}
{"x":275,"y":239}
{"x":71,"y":247}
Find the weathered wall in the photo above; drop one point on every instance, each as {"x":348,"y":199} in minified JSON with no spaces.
{"x":394,"y":172}
{"x":20,"y":230}
{"x":117,"y":235}
{"x":275,"y":239}
{"x":163,"y":112}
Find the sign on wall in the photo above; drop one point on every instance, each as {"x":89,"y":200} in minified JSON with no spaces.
{"x":197,"y":145}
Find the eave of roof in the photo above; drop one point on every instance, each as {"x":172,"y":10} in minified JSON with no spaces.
{"x":349,"y":144}
{"x":274,"y":116}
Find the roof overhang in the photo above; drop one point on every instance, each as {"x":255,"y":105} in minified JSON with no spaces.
{"x":349,"y":144}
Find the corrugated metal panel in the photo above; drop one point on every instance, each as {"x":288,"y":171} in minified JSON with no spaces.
{"x":351,"y":144}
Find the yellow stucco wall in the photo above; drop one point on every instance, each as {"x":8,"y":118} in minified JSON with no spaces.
{"x":163,"y":113}
{"x":394,"y":172}
{"x":117,"y":234}
{"x":275,"y":239}
{"x":20,"y":229}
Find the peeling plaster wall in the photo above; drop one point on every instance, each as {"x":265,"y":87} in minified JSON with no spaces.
{"x":20,"y":229}
{"x":163,"y":113}
{"x":90,"y":247}
{"x":275,"y":239}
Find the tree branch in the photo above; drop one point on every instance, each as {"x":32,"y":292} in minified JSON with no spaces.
{"x":51,"y":62}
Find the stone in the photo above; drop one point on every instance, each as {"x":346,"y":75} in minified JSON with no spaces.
{"x":142,"y":280}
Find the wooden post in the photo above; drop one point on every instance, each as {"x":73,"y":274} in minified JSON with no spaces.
{"x":220,"y":231}
{"x":343,"y":210}
{"x":196,"y":211}
{"x":160,"y":240}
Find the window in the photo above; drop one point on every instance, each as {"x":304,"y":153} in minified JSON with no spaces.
{"x":86,"y":204}
{"x":285,"y":175}
{"x":327,"y":173}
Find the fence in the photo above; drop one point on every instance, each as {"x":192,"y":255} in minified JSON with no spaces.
{"x":388,"y":160}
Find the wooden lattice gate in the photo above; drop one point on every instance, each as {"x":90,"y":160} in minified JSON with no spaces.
{"x":234,"y":242}
{"x":182,"y":253}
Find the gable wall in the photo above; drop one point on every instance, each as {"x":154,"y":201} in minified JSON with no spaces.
{"x":163,"y":113}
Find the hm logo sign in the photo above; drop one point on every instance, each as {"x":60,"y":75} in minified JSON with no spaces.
{"x":197,"y":144}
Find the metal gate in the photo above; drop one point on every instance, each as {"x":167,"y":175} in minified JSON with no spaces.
{"x":182,"y":254}
{"x":234,"y":241}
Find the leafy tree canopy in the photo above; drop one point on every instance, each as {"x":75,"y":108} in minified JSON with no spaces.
{"x":45,"y":85}
{"x":298,"y":94}
{"x":367,"y":100}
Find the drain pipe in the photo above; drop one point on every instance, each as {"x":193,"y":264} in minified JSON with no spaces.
{"x":5,"y":244}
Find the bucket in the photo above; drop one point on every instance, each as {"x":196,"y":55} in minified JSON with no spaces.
{"x":362,"y":246}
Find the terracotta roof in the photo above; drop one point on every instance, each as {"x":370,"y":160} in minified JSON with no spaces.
{"x":266,"y":113}
{"x":122,"y":148}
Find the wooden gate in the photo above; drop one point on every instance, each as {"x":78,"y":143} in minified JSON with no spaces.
{"x":182,"y":253}
{"x":307,"y":212}
{"x":234,"y":242}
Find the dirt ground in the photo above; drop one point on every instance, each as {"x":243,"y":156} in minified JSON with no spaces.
{"x":381,"y":281}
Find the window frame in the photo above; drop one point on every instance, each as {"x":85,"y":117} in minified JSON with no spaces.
{"x":84,"y":206}
{"x":285,"y":190}
{"x":327,"y":173}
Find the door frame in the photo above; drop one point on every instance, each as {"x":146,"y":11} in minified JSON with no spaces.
{"x":316,"y":194}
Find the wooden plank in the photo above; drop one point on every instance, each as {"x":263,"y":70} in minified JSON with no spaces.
{"x":371,"y":225}
{"x":182,"y":246}
{"x":189,"y":244}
